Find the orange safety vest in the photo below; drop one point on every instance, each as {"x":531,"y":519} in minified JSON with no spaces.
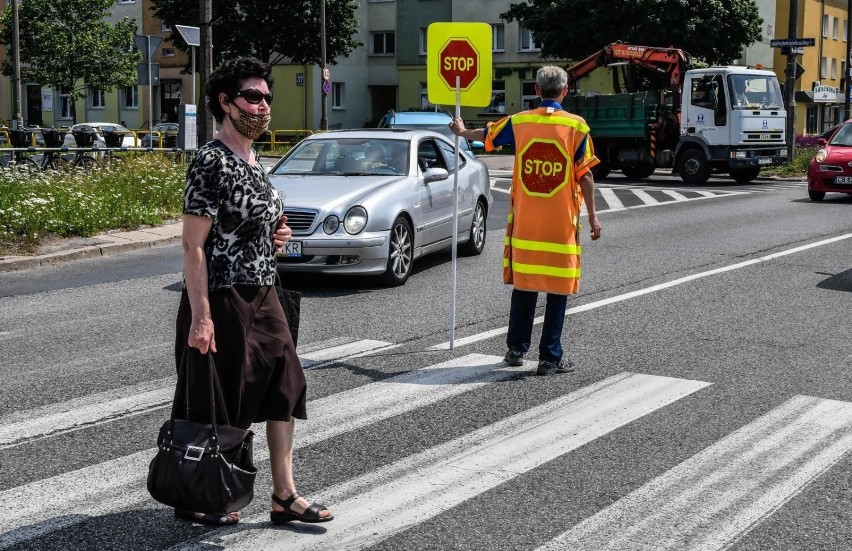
{"x":542,"y":244}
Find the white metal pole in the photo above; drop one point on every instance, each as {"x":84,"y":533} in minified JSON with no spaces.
{"x":194,"y":102}
{"x":150,"y":96}
{"x":455,"y":218}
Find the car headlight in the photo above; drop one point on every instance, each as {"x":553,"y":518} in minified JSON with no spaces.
{"x":355,"y":220}
{"x":330,"y":225}
{"x":821,"y":155}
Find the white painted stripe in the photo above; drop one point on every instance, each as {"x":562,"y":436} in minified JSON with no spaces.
{"x":462,"y":341}
{"x":501,"y":190}
{"x":675,"y":195}
{"x":79,"y":413}
{"x":120,"y":483}
{"x":379,"y":504}
{"x":645,"y":197}
{"x":720,"y":494}
{"x":612,"y":201}
{"x":343,"y":351}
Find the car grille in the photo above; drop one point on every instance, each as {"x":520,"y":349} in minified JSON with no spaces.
{"x":300,"y":220}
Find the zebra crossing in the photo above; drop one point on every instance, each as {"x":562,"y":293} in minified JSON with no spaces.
{"x":714,"y":497}
{"x":614,"y":198}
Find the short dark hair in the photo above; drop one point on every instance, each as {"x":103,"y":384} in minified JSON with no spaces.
{"x":228,"y":78}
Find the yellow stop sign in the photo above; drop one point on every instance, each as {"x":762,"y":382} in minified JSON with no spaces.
{"x":459,"y":52}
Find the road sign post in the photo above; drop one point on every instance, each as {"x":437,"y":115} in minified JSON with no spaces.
{"x":458,"y":70}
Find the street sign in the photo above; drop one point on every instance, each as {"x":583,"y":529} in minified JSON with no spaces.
{"x":326,"y":73}
{"x":326,"y":87}
{"x":779,"y":42}
{"x":141,"y":41}
{"x":799,"y":70}
{"x":142,"y":74}
{"x":459,"y":51}
{"x":545,"y":167}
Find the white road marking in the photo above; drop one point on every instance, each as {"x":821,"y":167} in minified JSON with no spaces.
{"x":612,"y":200}
{"x":717,"y":496}
{"x":120,"y":483}
{"x":675,"y":195}
{"x":379,"y":504}
{"x":462,"y":341}
{"x":645,"y":197}
{"x":354,"y":349}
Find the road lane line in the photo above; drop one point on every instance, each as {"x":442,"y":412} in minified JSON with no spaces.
{"x":381,"y":503}
{"x":485,"y":335}
{"x":612,"y":200}
{"x":80,"y":413}
{"x":31,"y":509}
{"x":645,"y":197}
{"x":720,"y":494}
{"x":675,"y":195}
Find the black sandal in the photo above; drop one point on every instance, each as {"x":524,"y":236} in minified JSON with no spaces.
{"x":311,"y":514}
{"x":201,"y":518}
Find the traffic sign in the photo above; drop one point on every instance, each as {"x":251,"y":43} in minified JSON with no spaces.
{"x":779,"y":42}
{"x":143,"y":42}
{"x":798,"y":71}
{"x":326,"y":87}
{"x":459,"y":53}
{"x":326,"y":73}
{"x":544,"y":167}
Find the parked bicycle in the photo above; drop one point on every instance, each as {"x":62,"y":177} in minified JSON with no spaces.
{"x":22,"y":143}
{"x":82,"y":159}
{"x":51,"y":160}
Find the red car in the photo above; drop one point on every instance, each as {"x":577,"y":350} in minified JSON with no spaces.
{"x":831,"y":167}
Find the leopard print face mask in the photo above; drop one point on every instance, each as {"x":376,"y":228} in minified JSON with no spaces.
{"x":250,"y":125}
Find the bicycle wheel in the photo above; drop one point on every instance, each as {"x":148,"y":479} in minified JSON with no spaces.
{"x":84,"y":162}
{"x":28,"y":165}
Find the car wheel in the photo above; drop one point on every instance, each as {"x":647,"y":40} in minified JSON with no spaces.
{"x":694,"y":168}
{"x":745,"y":175}
{"x":400,"y":252}
{"x":816,"y":195}
{"x":476,"y":239}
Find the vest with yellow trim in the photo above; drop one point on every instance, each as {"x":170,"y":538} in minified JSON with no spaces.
{"x":542,"y":245}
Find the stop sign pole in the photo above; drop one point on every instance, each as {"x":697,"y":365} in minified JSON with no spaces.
{"x":458,"y":66}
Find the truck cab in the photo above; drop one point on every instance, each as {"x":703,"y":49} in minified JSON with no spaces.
{"x":732,"y":120}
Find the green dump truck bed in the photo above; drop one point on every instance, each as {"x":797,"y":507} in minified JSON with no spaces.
{"x":616,"y":115}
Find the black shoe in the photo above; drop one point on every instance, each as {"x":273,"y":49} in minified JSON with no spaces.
{"x":514,"y":357}
{"x":548,"y":367}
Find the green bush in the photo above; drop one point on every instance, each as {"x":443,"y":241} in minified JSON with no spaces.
{"x":142,"y":190}
{"x":797,"y":166}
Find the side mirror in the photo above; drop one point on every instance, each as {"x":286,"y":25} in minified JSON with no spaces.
{"x":477,"y":145}
{"x":435,"y":175}
{"x":821,"y":141}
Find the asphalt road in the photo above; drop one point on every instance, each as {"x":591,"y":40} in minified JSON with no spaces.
{"x":711,"y":409}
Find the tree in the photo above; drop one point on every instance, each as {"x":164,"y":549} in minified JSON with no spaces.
{"x":714,"y":31}
{"x":270,"y":31}
{"x":68,"y":45}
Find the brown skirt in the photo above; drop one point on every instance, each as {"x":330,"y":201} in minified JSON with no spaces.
{"x":259,"y":371}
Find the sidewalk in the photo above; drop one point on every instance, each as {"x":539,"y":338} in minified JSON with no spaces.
{"x":99,"y":245}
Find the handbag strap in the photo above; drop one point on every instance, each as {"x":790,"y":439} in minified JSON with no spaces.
{"x":215,"y":388}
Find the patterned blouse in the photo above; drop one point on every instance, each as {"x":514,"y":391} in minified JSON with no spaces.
{"x":245,"y":209}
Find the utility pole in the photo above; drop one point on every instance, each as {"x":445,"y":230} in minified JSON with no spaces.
{"x":16,"y":61}
{"x":205,"y":120}
{"x":790,"y":86}
{"x":847,"y":87}
{"x":324,"y":115}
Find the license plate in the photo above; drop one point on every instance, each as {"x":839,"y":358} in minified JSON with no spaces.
{"x":766,"y":136}
{"x":764,"y":161}
{"x":843,"y":179}
{"x":292,"y":248}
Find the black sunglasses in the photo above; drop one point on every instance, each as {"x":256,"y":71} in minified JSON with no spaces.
{"x":254,"y":96}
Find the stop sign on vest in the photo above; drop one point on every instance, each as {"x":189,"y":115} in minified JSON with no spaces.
{"x":544,"y":167}
{"x":459,"y":58}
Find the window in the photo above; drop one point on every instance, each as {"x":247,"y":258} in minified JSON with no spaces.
{"x":498,"y":38}
{"x":165,"y":28}
{"x":825,"y":26}
{"x":126,"y":1}
{"x":449,"y":156}
{"x":823,"y":68}
{"x":833,"y":68}
{"x":423,"y":42}
{"x":424,"y":96}
{"x":168,"y":52}
{"x":64,"y":103}
{"x":835,"y":23}
{"x":130,"y":97}
{"x":338,"y":95}
{"x":498,"y":97}
{"x":383,"y":43}
{"x":96,"y":98}
{"x":526,"y":42}
{"x":529,"y":99}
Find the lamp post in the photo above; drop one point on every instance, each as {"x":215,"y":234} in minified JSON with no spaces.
{"x":846,"y":87}
{"x":789,"y":88}
{"x":16,"y":62}
{"x":324,"y":115}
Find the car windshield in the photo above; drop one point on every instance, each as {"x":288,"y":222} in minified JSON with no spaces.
{"x":843,"y":136}
{"x":754,"y":92}
{"x":347,"y":157}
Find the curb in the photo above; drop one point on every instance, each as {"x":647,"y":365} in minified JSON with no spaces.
{"x":110,"y":243}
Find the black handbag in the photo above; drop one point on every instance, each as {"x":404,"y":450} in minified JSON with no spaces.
{"x":290,"y":302}
{"x":202,"y":468}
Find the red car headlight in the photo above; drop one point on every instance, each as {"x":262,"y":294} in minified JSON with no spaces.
{"x":821,"y":155}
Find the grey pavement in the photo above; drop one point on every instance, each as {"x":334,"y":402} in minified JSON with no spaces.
{"x":118,"y":241}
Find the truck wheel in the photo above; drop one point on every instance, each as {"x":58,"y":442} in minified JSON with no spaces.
{"x":601,"y":170}
{"x":745,"y":175}
{"x":637,"y":172}
{"x":694,"y":168}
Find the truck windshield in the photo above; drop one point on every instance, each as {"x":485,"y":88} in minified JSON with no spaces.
{"x":754,"y":92}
